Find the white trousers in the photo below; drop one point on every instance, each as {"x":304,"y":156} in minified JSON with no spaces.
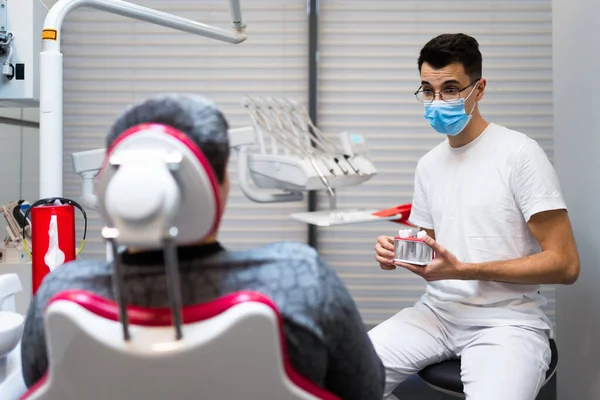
{"x":497,"y":363}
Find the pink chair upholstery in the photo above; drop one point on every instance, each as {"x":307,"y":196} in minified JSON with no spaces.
{"x":232,"y":348}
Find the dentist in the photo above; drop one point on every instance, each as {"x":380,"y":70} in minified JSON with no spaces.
{"x":491,"y":204}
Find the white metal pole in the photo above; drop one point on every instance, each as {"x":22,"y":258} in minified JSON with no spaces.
{"x":51,"y":71}
{"x":51,"y":120}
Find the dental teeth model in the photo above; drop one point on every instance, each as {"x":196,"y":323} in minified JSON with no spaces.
{"x":411,"y":249}
{"x":405,"y":233}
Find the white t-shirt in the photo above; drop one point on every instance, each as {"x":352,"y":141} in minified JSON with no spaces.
{"x":478,"y":199}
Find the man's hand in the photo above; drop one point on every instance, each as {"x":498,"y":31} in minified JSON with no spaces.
{"x":445,"y":265}
{"x":385,"y":252}
{"x":384,"y":248}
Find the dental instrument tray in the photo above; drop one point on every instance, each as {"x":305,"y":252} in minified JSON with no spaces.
{"x":412,"y":249}
{"x":342,"y":217}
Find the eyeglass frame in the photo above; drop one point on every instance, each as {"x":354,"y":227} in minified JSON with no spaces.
{"x":439,"y":93}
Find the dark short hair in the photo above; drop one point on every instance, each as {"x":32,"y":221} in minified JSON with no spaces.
{"x":450,"y":48}
{"x":195,"y":116}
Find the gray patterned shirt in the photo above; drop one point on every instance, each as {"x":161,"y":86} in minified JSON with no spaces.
{"x":326,"y":339}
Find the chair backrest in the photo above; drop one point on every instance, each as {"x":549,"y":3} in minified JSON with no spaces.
{"x":232,"y":348}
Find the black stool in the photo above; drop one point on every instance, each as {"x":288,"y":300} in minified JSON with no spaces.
{"x":445,"y":376}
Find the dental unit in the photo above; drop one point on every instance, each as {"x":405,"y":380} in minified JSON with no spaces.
{"x":293,"y":157}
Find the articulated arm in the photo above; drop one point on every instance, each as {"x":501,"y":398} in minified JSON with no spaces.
{"x":51,"y":76}
{"x":62,"y":8}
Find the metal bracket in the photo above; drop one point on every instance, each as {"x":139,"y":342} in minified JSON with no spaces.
{"x":3,"y":17}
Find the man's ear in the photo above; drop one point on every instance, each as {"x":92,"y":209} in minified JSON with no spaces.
{"x":480,"y":89}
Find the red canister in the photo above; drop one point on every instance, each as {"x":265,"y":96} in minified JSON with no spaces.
{"x":40,"y":237}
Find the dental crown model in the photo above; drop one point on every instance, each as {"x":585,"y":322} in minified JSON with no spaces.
{"x":408,"y":234}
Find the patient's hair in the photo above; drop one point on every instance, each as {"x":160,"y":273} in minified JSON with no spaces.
{"x":450,"y":48}
{"x":196,"y":116}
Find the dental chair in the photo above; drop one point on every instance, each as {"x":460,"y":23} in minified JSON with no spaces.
{"x":11,"y":328}
{"x":229,"y":348}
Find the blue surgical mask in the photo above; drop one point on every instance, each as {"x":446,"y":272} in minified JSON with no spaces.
{"x":448,"y":117}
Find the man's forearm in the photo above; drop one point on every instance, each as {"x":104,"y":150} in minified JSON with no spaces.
{"x":547,"y":267}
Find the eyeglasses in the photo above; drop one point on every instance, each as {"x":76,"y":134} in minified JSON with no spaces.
{"x":449,"y":94}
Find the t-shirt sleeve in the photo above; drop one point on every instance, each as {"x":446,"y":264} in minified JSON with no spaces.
{"x":536,"y":184}
{"x":354,"y":370}
{"x":420,"y":214}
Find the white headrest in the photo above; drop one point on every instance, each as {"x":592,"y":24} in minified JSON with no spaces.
{"x":155,"y":178}
{"x":10,"y":284}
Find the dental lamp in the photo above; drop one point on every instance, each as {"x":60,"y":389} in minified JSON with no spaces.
{"x":293,"y":157}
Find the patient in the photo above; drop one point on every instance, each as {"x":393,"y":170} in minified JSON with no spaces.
{"x":326,"y":340}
